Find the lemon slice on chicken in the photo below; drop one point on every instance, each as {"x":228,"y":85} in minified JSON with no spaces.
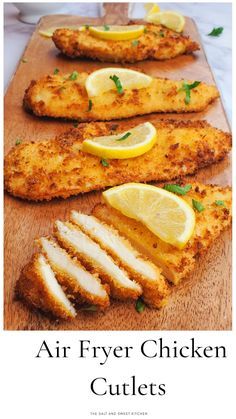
{"x":119,"y":79}
{"x":131,"y":143}
{"x":169,"y":19}
{"x":117,"y":32}
{"x":167,"y":215}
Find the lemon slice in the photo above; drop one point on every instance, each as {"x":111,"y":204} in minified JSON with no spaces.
{"x":99,"y":81}
{"x":164,"y":213}
{"x":151,"y":8}
{"x":117,"y":32}
{"x":171,"y":20}
{"x":131,"y":143}
{"x":47,"y":33}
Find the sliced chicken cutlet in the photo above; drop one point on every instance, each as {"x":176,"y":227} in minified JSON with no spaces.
{"x":155,"y":289}
{"x":177,"y":264}
{"x":157,"y":42}
{"x":58,"y":167}
{"x":58,"y":96}
{"x":96,"y":259}
{"x":39,"y":287}
{"x":72,"y":276}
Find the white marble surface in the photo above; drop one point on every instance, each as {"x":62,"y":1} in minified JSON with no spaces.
{"x":206,"y":15}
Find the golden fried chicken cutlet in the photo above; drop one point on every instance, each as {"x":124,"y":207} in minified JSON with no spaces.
{"x":97,"y":260}
{"x":73,"y":276}
{"x":58,"y":168}
{"x":141,"y":269}
{"x":177,"y":264}
{"x":38,"y":286}
{"x":157,"y":42}
{"x":58,"y":96}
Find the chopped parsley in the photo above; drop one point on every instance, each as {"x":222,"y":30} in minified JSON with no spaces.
{"x":89,"y":308}
{"x":106,"y":28}
{"x":24,"y":60}
{"x":216,"y":31}
{"x":56,"y":71}
{"x":86,"y":26}
{"x":18,"y":141}
{"x":75,"y":124}
{"x":140,"y":305}
{"x":74,"y":75}
{"x":124,"y":136}
{"x":117,"y":83}
{"x":135,"y":43}
{"x":104,"y":162}
{"x":90,"y":105}
{"x":198,"y":205}
{"x":220,"y":203}
{"x":177,"y":189}
{"x":161,"y":34}
{"x":187,"y":89}
{"x":145,"y":30}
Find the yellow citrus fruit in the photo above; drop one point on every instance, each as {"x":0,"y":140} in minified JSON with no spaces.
{"x":131,"y":143}
{"x":117,"y":32}
{"x":99,"y":81}
{"x":151,"y":8}
{"x":167,"y":215}
{"x":172,"y":20}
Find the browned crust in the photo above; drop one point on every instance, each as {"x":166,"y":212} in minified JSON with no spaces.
{"x":33,"y":290}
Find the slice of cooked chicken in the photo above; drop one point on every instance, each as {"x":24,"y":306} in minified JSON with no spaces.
{"x":72,"y":275}
{"x":155,"y":289}
{"x":38,"y":286}
{"x":96,"y":259}
{"x":176,"y":264}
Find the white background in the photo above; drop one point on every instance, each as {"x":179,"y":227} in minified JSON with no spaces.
{"x":59,"y":388}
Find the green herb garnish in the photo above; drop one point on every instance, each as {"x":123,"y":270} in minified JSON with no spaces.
{"x":140,"y":305}
{"x":106,"y":28}
{"x":56,"y":71}
{"x":104,"y":162}
{"x":145,"y":30}
{"x":220,"y":203}
{"x":216,"y":31}
{"x":74,"y":75}
{"x":90,"y":105}
{"x":18,"y":141}
{"x":86,"y":26}
{"x":124,"y":136}
{"x":24,"y":60}
{"x":177,"y":189}
{"x":187,"y":89}
{"x":135,"y":43}
{"x":198,"y":205}
{"x":75,"y":124}
{"x":117,"y":83}
{"x":89,"y":308}
{"x":161,"y":33}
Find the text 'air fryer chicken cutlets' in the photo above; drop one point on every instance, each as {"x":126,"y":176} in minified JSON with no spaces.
{"x":59,"y":168}
{"x":214,"y":217}
{"x":156,"y":42}
{"x":65,"y":96}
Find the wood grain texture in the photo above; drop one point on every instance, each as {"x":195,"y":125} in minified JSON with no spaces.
{"x":202,"y":301}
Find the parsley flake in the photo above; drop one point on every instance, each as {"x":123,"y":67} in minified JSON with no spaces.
{"x":56,"y":71}
{"x":118,"y":84}
{"x":74,"y":75}
{"x":89,"y":308}
{"x":177,"y":189}
{"x":198,"y":205}
{"x":220,"y":203}
{"x":140,"y":305}
{"x":18,"y":141}
{"x":106,"y":28}
{"x":145,"y":30}
{"x":75,"y":124}
{"x":187,"y":89}
{"x":135,"y":43}
{"x":90,"y":105}
{"x":87,"y":26}
{"x":161,"y":34}
{"x":124,"y":136}
{"x":104,"y":162}
{"x":216,"y":31}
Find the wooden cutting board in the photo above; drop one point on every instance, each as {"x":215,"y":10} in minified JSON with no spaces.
{"x":202,"y":301}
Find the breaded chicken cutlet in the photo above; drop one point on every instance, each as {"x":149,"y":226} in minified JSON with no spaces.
{"x":157,"y":42}
{"x":60,"y":96}
{"x":177,"y":264}
{"x":58,"y":167}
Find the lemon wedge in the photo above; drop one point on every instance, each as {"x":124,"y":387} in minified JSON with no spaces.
{"x":100,"y":82}
{"x":171,"y":20}
{"x":151,"y":8}
{"x":131,"y":143}
{"x":117,"y":32}
{"x":47,"y":33}
{"x":167,"y":215}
